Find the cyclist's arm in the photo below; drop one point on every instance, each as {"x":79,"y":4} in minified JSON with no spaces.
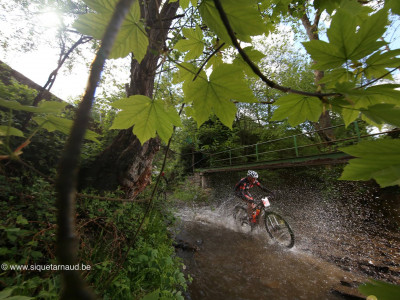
{"x":241,"y":193}
{"x":264,"y":188}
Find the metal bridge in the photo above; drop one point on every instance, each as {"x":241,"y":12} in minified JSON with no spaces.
{"x":303,"y":149}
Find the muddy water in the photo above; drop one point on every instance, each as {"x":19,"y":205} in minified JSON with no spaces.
{"x":228,"y":264}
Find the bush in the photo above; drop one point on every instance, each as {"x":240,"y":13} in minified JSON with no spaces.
{"x":122,"y":266}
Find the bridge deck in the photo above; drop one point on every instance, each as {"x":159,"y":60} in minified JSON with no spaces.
{"x":321,"y":159}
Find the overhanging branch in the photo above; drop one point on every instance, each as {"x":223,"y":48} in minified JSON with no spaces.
{"x":74,"y":285}
{"x":255,"y":68}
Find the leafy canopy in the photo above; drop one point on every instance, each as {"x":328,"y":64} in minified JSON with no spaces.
{"x":354,"y":57}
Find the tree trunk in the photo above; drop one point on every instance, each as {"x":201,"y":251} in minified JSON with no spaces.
{"x":126,"y":162}
{"x":324,"y":121}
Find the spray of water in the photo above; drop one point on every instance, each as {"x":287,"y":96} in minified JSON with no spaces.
{"x":349,"y":224}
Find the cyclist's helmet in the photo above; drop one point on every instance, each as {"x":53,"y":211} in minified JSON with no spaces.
{"x":253,"y":174}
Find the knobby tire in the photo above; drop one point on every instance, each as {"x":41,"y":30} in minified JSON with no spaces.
{"x":278,"y":229}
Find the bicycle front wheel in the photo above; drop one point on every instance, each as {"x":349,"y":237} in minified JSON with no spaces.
{"x":278,"y":229}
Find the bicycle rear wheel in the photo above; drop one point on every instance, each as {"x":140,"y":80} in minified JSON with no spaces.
{"x":242,"y":219}
{"x":278,"y":229}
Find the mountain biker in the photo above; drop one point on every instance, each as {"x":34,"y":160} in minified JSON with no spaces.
{"x":242,"y":191}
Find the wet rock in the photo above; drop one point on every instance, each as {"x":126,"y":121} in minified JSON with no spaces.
{"x":345,"y":283}
{"x":180,"y":244}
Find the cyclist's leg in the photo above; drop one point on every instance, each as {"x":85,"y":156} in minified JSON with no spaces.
{"x":246,"y":197}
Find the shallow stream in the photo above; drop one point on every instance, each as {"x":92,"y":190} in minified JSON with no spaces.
{"x":228,"y":264}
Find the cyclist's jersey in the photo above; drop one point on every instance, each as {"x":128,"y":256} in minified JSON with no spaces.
{"x":245,"y":184}
{"x":242,"y":189}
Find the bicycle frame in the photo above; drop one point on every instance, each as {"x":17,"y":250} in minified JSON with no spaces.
{"x":277,"y":227}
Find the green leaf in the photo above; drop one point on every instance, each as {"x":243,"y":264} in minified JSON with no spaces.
{"x":327,"y":56}
{"x":381,"y":290}
{"x":365,"y":39}
{"x":254,"y":55}
{"x":378,"y":62}
{"x":383,"y":114}
{"x":92,"y":24}
{"x":349,"y":38}
{"x":355,"y":37}
{"x":185,"y":3}
{"x":215,"y":61}
{"x":53,"y":123}
{"x":214,"y":95}
{"x":16,"y":105}
{"x":4,"y":294}
{"x":50,"y":107}
{"x":193,"y":43}
{"x":384,"y":93}
{"x":21,"y":220}
{"x":36,"y":254}
{"x":339,"y":75}
{"x":101,"y":6}
{"x":155,"y":295}
{"x":297,"y":108}
{"x":328,"y":5}
{"x":6,"y":130}
{"x":394,"y":5}
{"x":243,"y":17}
{"x":18,"y":297}
{"x":349,"y":114}
{"x":132,"y":36}
{"x":379,"y":160}
{"x":186,"y":72}
{"x":44,"y":106}
{"x":148,"y":117}
{"x":339,"y":37}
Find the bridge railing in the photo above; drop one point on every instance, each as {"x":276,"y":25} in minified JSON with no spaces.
{"x":297,"y":145}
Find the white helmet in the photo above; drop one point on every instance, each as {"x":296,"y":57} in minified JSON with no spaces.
{"x":253,"y":174}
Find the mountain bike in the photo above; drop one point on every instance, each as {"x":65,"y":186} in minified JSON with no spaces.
{"x":277,"y":227}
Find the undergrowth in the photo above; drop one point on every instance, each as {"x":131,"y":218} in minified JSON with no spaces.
{"x":122,"y":266}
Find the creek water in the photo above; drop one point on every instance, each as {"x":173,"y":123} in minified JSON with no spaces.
{"x":226,"y":263}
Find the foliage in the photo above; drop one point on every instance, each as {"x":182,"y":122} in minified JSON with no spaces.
{"x":189,"y":193}
{"x":375,"y":159}
{"x":15,"y":105}
{"x":354,"y":58}
{"x":131,"y":37}
{"x":104,"y":229}
{"x":141,"y":111}
{"x":297,"y":109}
{"x":380,"y":290}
